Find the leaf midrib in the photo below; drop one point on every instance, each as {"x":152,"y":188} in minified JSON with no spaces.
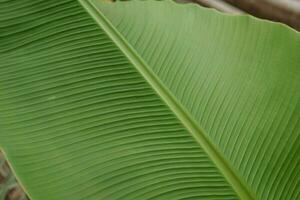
{"x":240,"y":187}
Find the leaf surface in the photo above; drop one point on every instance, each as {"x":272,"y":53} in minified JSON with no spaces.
{"x":148,"y":100}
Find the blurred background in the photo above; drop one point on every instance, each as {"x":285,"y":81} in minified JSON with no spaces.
{"x":284,"y":11}
{"x":9,"y":188}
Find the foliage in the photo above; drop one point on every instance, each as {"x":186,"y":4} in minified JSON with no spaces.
{"x":148,"y":100}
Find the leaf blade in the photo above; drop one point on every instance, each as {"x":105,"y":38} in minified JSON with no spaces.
{"x":238,"y":83}
{"x":171,"y":101}
{"x":79,"y":120}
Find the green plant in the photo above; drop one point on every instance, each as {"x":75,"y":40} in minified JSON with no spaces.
{"x":148,"y":100}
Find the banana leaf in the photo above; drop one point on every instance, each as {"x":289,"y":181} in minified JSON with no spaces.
{"x":148,"y":100}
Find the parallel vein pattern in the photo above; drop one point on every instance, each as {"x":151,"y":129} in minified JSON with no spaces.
{"x":77,"y":121}
{"x":235,"y":181}
{"x":238,"y":77}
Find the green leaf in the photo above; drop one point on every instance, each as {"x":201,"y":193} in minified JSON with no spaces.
{"x":148,"y":100}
